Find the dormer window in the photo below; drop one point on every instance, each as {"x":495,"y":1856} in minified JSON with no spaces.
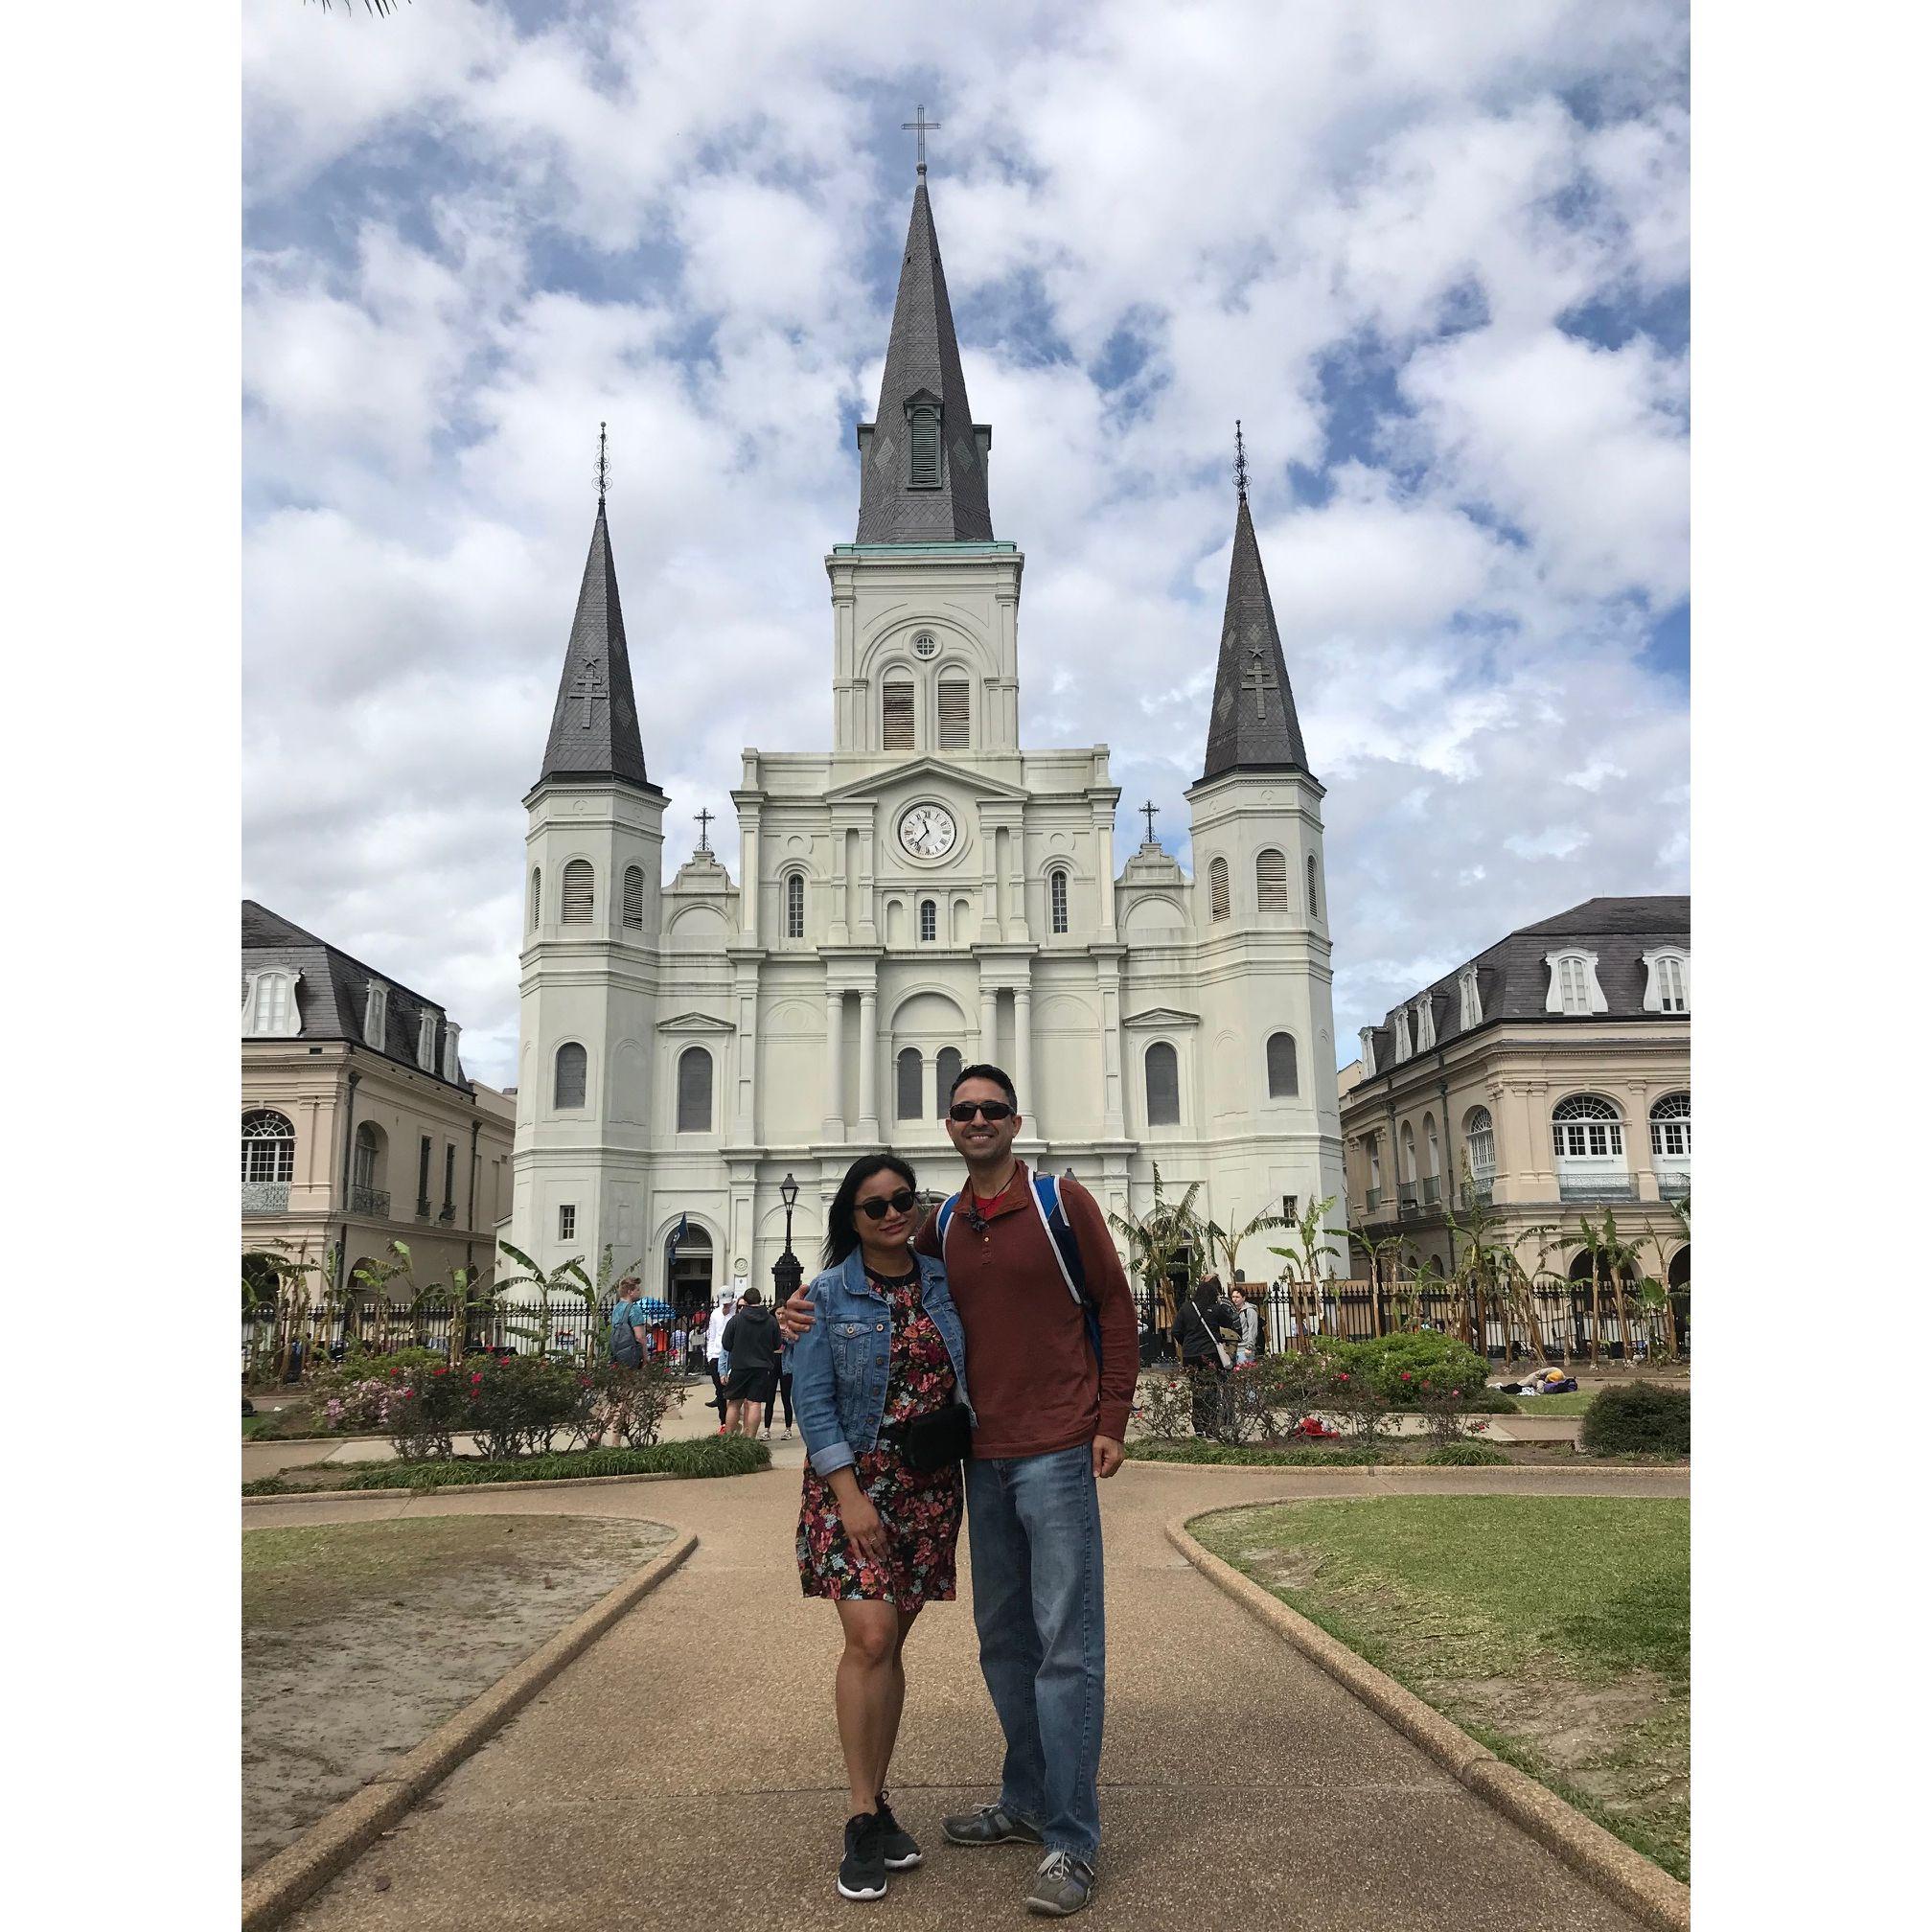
{"x":1470,"y":997}
{"x":1572,"y":984}
{"x":452,"y":1066}
{"x":376,"y":1015}
{"x":922,"y":430}
{"x":1666,"y":986}
{"x":268,"y":1007}
{"x":1367,"y":1039}
{"x":1425,"y":1023}
{"x":426,"y":1042}
{"x":1403,"y":1047}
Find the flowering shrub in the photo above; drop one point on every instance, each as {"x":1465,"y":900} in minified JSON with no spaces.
{"x":634,"y":1402}
{"x":1164,"y":1406}
{"x":1433,"y":1375}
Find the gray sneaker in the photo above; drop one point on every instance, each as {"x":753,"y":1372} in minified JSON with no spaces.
{"x":989,"y":1825}
{"x":1062,"y":1886}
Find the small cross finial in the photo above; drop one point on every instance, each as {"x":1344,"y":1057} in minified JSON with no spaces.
{"x":704,"y":819}
{"x":1149,"y":811}
{"x":603,"y":466}
{"x":1260,"y":680}
{"x":921,"y":127}
{"x":589,"y":687}
{"x":1241,"y":463}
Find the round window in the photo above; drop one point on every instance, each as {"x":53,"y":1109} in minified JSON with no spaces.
{"x":925,"y":645}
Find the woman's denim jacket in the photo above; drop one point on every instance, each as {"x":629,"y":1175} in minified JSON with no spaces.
{"x":840,"y":1365}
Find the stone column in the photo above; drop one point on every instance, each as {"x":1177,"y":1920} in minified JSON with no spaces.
{"x":1636,"y":1154}
{"x":747,"y":881}
{"x":1105,"y":843}
{"x":868,"y":1065}
{"x":745,"y":1111}
{"x":1023,"y":1054}
{"x":989,"y":1021}
{"x":867,"y":933}
{"x":989,"y":884}
{"x":1016,"y":890}
{"x":835,"y":1065}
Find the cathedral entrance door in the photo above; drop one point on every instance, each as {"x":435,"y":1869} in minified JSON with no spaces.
{"x":691,"y":1273}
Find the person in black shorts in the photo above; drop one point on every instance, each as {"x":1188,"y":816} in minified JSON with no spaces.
{"x":752,"y":1342}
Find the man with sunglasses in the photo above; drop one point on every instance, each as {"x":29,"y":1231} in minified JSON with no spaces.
{"x":1051,"y":1419}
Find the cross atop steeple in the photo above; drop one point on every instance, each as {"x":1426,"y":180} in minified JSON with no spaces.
{"x":1149,"y":811}
{"x":705,"y":818}
{"x":922,"y":128}
{"x":603,"y":466}
{"x":1241,"y":463}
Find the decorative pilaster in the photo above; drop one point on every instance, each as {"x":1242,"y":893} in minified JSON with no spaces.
{"x":1022,"y":1052}
{"x":989,"y":1021}
{"x":835,"y":1065}
{"x":745,"y":1109}
{"x":1113,"y":1123}
{"x":869,"y":1066}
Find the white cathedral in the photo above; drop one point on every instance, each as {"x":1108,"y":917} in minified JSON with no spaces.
{"x":925,"y":893}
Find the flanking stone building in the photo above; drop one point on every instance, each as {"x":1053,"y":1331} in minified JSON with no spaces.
{"x":924,"y":892}
{"x":1549,"y":1077}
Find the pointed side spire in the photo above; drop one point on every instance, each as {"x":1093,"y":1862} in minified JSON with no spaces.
{"x":922,"y":463}
{"x":1252,"y":725}
{"x":593,"y":731}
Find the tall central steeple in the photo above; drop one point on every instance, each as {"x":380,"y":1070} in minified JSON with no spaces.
{"x":923,"y":460}
{"x":1252,"y":725}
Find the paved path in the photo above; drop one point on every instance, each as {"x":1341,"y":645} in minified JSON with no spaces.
{"x":684,"y":1771}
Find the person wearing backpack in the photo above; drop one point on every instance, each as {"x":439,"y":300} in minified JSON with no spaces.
{"x":628,"y":1342}
{"x":1049,"y":1329}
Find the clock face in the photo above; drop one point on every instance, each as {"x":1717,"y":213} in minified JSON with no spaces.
{"x":928,"y":831}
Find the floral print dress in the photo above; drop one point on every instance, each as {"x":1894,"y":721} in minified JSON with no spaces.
{"x":920,"y":1510}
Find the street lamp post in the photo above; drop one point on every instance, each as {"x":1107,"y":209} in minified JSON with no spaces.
{"x":788,"y":1270}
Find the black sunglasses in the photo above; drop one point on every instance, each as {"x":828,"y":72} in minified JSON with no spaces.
{"x":962,"y":1111}
{"x":902,"y":1203}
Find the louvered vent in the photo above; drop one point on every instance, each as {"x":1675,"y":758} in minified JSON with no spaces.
{"x":898,"y":717}
{"x":1271,"y":882}
{"x":572,"y":1066}
{"x":579,"y":892}
{"x":1217,"y":889}
{"x":956,"y":714}
{"x":1283,"y":1080}
{"x":925,"y":450}
{"x":633,"y":897}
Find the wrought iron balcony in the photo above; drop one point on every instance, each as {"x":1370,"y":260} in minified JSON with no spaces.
{"x":1479,"y":1191}
{"x":369,"y":1201}
{"x":1674,"y":1183}
{"x":264,"y":1197}
{"x":1595,"y":1187}
{"x":1407,"y":1206}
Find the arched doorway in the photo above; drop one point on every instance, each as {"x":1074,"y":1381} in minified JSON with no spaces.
{"x":692,"y":1270}
{"x":1679,"y":1286}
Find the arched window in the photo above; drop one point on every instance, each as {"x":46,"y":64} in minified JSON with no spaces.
{"x":1163,"y":1086}
{"x":956,"y":714}
{"x":1479,"y":1137}
{"x":580,"y":893}
{"x":1589,"y":1141}
{"x":367,"y":1152}
{"x":1313,"y":910}
{"x":633,"y":897}
{"x":896,"y":715}
{"x":1283,"y":1077}
{"x":794,"y":905}
{"x":1432,"y":1149}
{"x":1217,"y":888}
{"x":535,"y":897}
{"x":946,"y":1073}
{"x":1408,"y":1153}
{"x":268,"y":1147}
{"x":929,"y":920}
{"x":572,"y":1073}
{"x":1671,"y":1129}
{"x":1271,"y":882}
{"x":907,"y":1070}
{"x":694,"y":1090}
{"x":1056,"y":899}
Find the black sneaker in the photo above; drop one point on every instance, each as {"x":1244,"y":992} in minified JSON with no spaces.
{"x":901,"y":1849}
{"x":862,"y":1872}
{"x":989,"y":1825}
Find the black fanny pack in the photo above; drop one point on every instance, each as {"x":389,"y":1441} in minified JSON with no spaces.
{"x":933,"y":1442}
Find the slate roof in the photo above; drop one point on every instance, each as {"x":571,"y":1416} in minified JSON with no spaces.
{"x":1252,"y":725}
{"x":922,"y":359}
{"x":593,"y":731}
{"x":331,"y":994}
{"x":1513,"y":982}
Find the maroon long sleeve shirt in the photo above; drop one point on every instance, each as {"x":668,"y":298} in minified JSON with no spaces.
{"x":1029,"y":1366}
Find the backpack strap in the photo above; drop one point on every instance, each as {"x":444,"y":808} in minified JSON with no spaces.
{"x":1066,"y":1246}
{"x":945,"y":1219}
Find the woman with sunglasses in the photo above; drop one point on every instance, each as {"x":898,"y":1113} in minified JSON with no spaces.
{"x":879,"y":1384}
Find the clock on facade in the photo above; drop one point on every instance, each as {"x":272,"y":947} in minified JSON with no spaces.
{"x":928,"y":831}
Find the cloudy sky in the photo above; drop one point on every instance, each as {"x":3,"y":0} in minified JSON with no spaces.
{"x":1435,"y":257}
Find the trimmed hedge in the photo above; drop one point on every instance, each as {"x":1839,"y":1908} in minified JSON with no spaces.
{"x":1465,"y":1455}
{"x":1638,"y":1418}
{"x":1298,"y":1457}
{"x":705,"y":1456}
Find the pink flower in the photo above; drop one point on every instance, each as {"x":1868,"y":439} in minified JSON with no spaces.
{"x":1406,"y":1376}
{"x":408,"y":1392}
{"x":1457,"y":1392}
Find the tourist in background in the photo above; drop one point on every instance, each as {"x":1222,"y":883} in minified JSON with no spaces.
{"x":752,"y":1344}
{"x":1205,"y":1325}
{"x":1248,"y":1322}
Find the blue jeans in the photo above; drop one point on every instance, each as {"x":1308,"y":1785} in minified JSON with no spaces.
{"x":1039,"y":1604}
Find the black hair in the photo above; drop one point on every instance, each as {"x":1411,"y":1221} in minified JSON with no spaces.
{"x":982,"y":1071}
{"x":841,"y":1223}
{"x":751,"y":1297}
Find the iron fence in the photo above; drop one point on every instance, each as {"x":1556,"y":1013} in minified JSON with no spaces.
{"x":1359,"y":1310}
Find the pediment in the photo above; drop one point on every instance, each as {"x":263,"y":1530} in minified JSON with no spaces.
{"x":1162,"y":1017}
{"x":695,"y":1023}
{"x":959,"y":777}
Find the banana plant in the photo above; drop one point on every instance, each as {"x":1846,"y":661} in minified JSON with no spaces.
{"x":1225,"y":1244}
{"x":1165,"y":1232}
{"x":1304,"y":1255}
{"x":567,"y":1278}
{"x":375,"y":1279}
{"x":296,"y":1298}
{"x":1611,"y":1258}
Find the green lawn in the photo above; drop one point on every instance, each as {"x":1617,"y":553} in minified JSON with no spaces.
{"x":1554,"y":1629}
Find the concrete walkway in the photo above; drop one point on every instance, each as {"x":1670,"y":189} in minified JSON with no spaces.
{"x":685,"y":1772}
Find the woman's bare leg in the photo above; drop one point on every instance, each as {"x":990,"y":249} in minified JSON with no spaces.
{"x":865,"y":1698}
{"x":895,"y":1694}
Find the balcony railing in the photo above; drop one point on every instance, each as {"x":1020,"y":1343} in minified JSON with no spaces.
{"x":264,"y":1197}
{"x":369,"y":1201}
{"x":1674,"y":1183}
{"x":1595,"y":1187}
{"x":1407,"y":1206}
{"x":1432,"y":1190}
{"x":1479,"y":1191}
